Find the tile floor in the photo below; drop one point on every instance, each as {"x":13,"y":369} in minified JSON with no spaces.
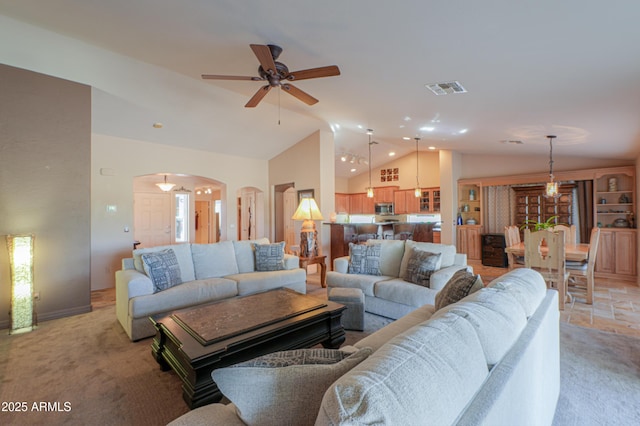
{"x":616,"y":306}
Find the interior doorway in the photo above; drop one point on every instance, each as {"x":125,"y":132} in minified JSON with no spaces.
{"x":190,"y":211}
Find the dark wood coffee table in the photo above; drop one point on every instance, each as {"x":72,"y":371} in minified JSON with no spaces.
{"x":195,"y":341}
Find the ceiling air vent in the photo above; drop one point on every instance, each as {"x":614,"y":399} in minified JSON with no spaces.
{"x":446,"y":88}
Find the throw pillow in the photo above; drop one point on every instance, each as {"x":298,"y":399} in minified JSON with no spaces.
{"x":163,"y":269}
{"x":364,"y":259}
{"x":421,"y":265}
{"x":296,"y":380}
{"x":461,"y":284}
{"x":269,"y":257}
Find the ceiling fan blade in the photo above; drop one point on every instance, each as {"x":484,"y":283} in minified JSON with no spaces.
{"x":303,"y":96}
{"x":261,"y":93}
{"x":263,"y":53}
{"x":228,"y":77}
{"x":328,"y":71}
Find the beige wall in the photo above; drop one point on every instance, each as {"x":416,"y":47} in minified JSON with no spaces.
{"x":477,"y":166}
{"x":429,"y":171}
{"x":309,"y":165}
{"x":110,"y":241}
{"x":45,"y":146}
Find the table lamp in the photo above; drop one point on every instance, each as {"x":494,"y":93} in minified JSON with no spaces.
{"x":308,"y":211}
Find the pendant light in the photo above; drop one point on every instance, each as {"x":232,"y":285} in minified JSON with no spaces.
{"x":418,"y":191}
{"x":551,"y":190}
{"x":164,"y":186}
{"x":370,"y":188}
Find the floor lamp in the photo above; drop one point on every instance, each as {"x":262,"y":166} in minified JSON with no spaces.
{"x":308,"y":212}
{"x":21,"y":262}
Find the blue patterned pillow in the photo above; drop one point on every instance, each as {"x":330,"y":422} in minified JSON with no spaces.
{"x":163,"y":269}
{"x":364,"y":259}
{"x":269,"y":257}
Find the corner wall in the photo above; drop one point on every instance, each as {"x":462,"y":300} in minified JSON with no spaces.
{"x":45,"y":183}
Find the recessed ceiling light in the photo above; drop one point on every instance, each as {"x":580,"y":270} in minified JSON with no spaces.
{"x":432,"y":148}
{"x":392,"y":153}
{"x":353,"y":170}
{"x":406,"y":138}
{"x":407,"y":118}
{"x":343,"y":158}
{"x":360,"y":126}
{"x":463,"y":131}
{"x":427,"y":129}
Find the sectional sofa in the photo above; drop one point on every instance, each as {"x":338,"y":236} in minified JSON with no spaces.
{"x":492,"y":358}
{"x":207,"y":272}
{"x":388,"y":293}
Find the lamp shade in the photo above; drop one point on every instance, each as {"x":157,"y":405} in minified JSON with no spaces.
{"x":307,"y":210}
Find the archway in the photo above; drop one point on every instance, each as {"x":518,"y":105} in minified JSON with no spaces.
{"x":192,"y":210}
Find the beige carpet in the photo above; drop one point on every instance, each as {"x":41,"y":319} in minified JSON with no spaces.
{"x":88,"y":362}
{"x":104,"y":378}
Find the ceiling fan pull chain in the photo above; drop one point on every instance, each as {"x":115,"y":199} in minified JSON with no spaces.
{"x":279,"y":91}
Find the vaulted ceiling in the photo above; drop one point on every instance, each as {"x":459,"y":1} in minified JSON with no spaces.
{"x":569,"y":68}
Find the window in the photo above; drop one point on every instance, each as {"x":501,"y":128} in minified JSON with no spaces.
{"x":182,"y":218}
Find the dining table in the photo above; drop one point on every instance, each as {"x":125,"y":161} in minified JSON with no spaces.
{"x":575,"y":252}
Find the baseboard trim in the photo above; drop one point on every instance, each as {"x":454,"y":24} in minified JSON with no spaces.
{"x":47,"y":316}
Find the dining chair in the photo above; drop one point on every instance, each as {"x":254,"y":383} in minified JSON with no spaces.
{"x":544,"y":252}
{"x":569,"y":233}
{"x":512,"y":237}
{"x":582,"y":272}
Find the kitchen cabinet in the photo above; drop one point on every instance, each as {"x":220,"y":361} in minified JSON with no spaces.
{"x":360,"y":204}
{"x":469,"y":241}
{"x":384,"y":194}
{"x":617,"y":253}
{"x":405,"y":202}
{"x":430,"y":200}
{"x":342,"y":203}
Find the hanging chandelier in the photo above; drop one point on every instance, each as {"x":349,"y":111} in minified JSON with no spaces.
{"x":370,"y":188}
{"x":551,"y":190}
{"x":418,"y":191}
{"x":165,"y":186}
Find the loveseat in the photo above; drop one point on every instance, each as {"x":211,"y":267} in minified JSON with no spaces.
{"x":387,"y":293}
{"x":492,"y":358}
{"x":202,"y":273}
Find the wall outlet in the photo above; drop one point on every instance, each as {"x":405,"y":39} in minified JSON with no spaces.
{"x":36,"y":296}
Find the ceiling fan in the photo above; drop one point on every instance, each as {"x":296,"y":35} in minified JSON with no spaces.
{"x":277,"y":75}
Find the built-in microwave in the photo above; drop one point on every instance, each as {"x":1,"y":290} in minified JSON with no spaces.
{"x":384,"y":208}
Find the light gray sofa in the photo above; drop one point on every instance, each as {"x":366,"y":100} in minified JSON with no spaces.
{"x":388,"y":294}
{"x":492,"y":358}
{"x":209,"y":272}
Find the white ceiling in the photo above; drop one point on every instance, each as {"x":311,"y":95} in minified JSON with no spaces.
{"x":569,"y":68}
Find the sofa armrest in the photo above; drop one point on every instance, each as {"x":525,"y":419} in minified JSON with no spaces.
{"x":132,"y":283}
{"x":127,"y":263}
{"x":440,"y":277}
{"x":341,"y":264}
{"x":460,"y":259}
{"x":291,"y":261}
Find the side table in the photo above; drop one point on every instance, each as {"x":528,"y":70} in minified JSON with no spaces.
{"x":316,"y":260}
